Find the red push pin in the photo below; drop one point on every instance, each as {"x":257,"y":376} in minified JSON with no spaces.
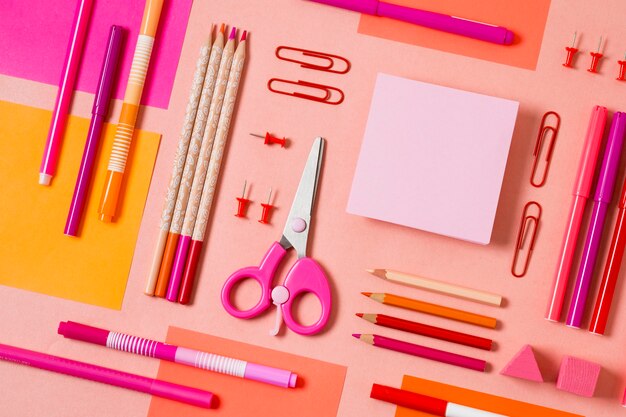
{"x":571,"y":51}
{"x":242,"y":202}
{"x":269,"y":139}
{"x":267,"y":208}
{"x":622,"y":69}
{"x":595,"y":58}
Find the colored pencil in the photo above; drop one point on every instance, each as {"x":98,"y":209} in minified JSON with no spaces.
{"x":130,"y":109}
{"x":423,"y":352}
{"x":433,"y":309}
{"x":73,"y":53}
{"x":104,"y":375}
{"x":429,"y":331}
{"x":426,"y":404}
{"x":208,"y":191}
{"x":433,"y":285}
{"x":190,"y":212}
{"x":184,"y":156}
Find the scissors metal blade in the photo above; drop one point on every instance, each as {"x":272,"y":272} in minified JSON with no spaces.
{"x":296,"y":232}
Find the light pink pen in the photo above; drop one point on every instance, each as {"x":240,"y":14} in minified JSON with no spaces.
{"x":64,"y":95}
{"x":109,"y":376}
{"x":582,"y":190}
{"x":172,"y":353}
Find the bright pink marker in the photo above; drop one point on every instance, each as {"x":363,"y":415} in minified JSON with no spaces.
{"x":191,"y":357}
{"x":109,"y":376}
{"x":66,"y":86}
{"x":582,"y":189}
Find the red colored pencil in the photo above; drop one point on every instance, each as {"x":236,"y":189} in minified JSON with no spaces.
{"x":611,"y":270}
{"x":429,"y":331}
{"x":426,"y":404}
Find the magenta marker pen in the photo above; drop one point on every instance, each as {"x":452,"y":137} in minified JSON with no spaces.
{"x":191,"y":357}
{"x":109,"y":376}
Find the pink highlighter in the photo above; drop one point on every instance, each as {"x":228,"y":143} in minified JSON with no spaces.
{"x":438,"y":21}
{"x":109,"y":376}
{"x":191,"y":357}
{"x":582,"y":190}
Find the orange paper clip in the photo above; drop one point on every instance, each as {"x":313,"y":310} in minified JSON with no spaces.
{"x":546,"y":133}
{"x":327,"y":96}
{"x":328,"y":63}
{"x":528,"y":222}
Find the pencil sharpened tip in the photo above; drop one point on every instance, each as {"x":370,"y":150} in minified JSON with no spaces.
{"x":243,"y":37}
{"x":367,"y":294}
{"x":359,"y":315}
{"x":223,"y":28}
{"x":380,"y":273}
{"x":356,"y":335}
{"x":233,"y":32}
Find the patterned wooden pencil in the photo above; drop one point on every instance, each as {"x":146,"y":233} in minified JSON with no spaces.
{"x":179,"y":161}
{"x":433,"y":309}
{"x":208,"y":191}
{"x":170,"y":227}
{"x":170,"y":266}
{"x":130,"y":109}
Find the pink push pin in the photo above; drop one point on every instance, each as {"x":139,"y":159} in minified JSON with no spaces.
{"x":270,"y":139}
{"x":242,"y":202}
{"x":595,"y":58}
{"x":571,"y":51}
{"x":622,"y":69}
{"x":267,"y":208}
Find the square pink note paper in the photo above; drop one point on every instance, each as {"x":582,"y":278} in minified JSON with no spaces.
{"x":433,"y":158}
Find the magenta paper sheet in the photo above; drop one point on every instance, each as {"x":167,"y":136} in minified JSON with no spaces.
{"x":34,"y":36}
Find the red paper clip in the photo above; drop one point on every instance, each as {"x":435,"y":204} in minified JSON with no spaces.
{"x":329,"y":60}
{"x":528,"y":221}
{"x":545,"y":133}
{"x":327,"y":90}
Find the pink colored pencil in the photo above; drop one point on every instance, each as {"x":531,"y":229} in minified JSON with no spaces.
{"x":109,"y":376}
{"x":423,"y":351}
{"x":74,"y":50}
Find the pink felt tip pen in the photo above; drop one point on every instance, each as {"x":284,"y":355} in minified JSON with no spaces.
{"x":66,"y":86}
{"x":191,"y":357}
{"x":109,"y":376}
{"x":438,"y":21}
{"x":582,"y":190}
{"x":98,"y":114}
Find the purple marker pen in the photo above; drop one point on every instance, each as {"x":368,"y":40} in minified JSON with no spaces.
{"x":99,"y":113}
{"x":191,"y":357}
{"x":601,"y":200}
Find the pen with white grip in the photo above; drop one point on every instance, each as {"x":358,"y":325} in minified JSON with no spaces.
{"x":130,"y":109}
{"x":190,"y":357}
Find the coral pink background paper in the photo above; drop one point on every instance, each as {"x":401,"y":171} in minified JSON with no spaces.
{"x":344,"y":244}
{"x":34,"y":36}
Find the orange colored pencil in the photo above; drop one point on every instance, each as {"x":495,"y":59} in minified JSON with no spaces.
{"x":433,"y":309}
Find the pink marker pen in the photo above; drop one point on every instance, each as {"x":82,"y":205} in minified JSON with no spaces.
{"x":191,"y":357}
{"x":109,"y":376}
{"x":582,"y":189}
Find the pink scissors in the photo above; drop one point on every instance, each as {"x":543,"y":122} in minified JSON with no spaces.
{"x":305,"y":276}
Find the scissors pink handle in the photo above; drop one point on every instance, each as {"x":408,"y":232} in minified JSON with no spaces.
{"x":305,"y":276}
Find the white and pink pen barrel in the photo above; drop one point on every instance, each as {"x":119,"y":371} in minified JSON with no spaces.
{"x":172,"y":353}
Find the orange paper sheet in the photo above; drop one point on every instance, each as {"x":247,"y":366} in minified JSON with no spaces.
{"x":35,"y":254}
{"x":474,"y":399}
{"x":317,"y":392}
{"x":526,"y":18}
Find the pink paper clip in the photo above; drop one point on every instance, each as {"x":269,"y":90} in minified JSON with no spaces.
{"x":528,"y":221}
{"x":545,"y":133}
{"x":330,"y":61}
{"x":327,"y":91}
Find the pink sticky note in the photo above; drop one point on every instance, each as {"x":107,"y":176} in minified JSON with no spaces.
{"x":433,"y":158}
{"x":34,"y":36}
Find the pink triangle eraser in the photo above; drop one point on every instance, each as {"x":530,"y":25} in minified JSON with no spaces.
{"x":523,"y":365}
